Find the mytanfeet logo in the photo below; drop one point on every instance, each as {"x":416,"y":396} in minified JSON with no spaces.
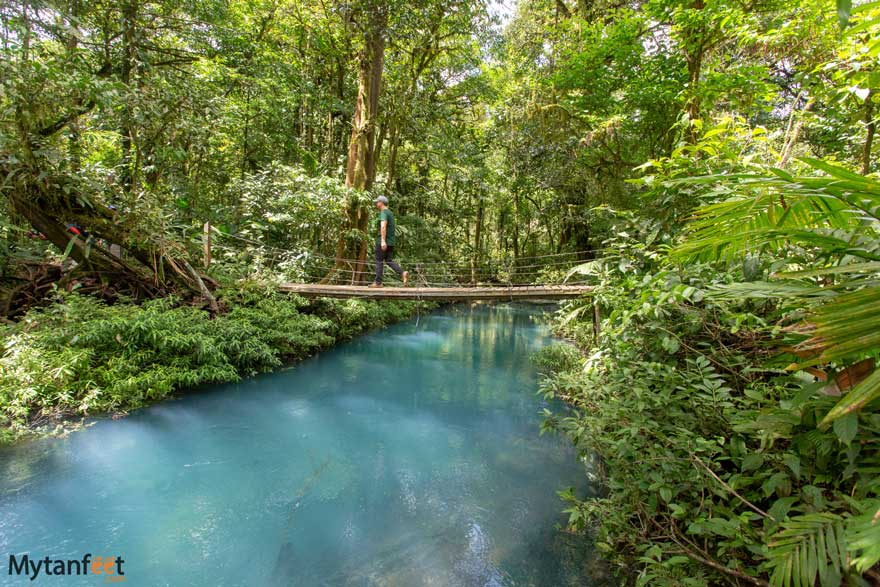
{"x":109,"y":567}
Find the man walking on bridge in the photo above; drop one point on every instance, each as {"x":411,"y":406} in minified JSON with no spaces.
{"x":385,"y":243}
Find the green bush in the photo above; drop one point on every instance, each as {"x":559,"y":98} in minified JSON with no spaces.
{"x":714,"y":468}
{"x":558,"y":358}
{"x":350,"y":317}
{"x":82,"y":356}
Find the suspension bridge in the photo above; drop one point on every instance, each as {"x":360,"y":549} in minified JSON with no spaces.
{"x":445,"y":294}
{"x":539,"y":277}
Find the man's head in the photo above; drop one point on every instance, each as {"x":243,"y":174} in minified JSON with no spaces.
{"x":381,"y":202}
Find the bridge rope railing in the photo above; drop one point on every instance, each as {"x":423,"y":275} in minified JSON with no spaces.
{"x":420,"y":277}
{"x":451,"y":278}
{"x":505,"y":272}
{"x":318,"y":255}
{"x":518,"y":259}
{"x":487,"y":269}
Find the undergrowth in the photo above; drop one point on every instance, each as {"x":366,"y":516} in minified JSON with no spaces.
{"x":81,"y":356}
{"x":715,"y":470}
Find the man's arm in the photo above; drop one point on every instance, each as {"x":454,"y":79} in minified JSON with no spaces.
{"x":383,"y":230}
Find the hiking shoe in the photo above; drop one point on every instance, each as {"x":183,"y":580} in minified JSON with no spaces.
{"x":405,"y":277}
{"x":374,"y":284}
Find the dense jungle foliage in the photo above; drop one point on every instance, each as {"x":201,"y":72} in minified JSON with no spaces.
{"x":709,"y":166}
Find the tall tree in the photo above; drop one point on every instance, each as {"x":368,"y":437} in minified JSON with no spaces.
{"x":371,"y":20}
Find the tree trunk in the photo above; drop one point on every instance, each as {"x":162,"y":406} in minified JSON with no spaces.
{"x":393,"y":143}
{"x":871,"y":125}
{"x":206,"y":245}
{"x":128,"y":70}
{"x":795,"y":125}
{"x":361,"y":167}
{"x":694,"y":58}
{"x":74,"y":145}
{"x":245,"y":141}
{"x":478,"y":237}
{"x":90,"y":256}
{"x":351,"y":253}
{"x":377,"y":150}
{"x":516,"y":220}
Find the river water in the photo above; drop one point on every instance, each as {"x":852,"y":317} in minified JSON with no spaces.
{"x":407,"y":457}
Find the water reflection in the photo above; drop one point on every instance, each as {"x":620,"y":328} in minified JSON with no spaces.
{"x":407,"y":457}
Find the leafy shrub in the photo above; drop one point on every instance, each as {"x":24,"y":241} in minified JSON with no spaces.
{"x":349,"y":317}
{"x":714,"y":467}
{"x":556,"y":358}
{"x":83,"y":356}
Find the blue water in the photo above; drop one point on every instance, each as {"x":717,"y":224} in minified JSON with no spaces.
{"x":407,"y":457}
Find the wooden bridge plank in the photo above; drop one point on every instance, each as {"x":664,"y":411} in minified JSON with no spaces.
{"x":531,"y":292}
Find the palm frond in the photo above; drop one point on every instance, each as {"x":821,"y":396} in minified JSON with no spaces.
{"x":769,"y":290}
{"x":831,"y":220}
{"x":861,"y":395}
{"x":837,"y":213}
{"x":869,"y":267}
{"x":863,"y":535}
{"x":806,"y":548}
{"x":736,"y":226}
{"x":845,"y":327}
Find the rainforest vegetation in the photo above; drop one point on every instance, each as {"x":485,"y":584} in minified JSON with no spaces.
{"x":708,"y":166}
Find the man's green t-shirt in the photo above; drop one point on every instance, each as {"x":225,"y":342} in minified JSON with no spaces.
{"x":389,"y":230}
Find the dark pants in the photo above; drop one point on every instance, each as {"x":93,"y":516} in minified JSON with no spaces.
{"x":383,"y":257}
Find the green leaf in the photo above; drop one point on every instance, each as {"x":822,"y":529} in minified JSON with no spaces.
{"x":844,"y":9}
{"x":863,"y":393}
{"x":846,"y":427}
{"x":793,"y":462}
{"x":781,"y":507}
{"x":752,"y":461}
{"x":835,"y":170}
{"x":715,"y":132}
{"x":869,"y":267}
{"x":69,"y":247}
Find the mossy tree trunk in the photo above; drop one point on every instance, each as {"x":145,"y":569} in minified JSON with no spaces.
{"x":351,"y":249}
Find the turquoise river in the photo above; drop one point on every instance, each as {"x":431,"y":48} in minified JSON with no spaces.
{"x":410,"y":456}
